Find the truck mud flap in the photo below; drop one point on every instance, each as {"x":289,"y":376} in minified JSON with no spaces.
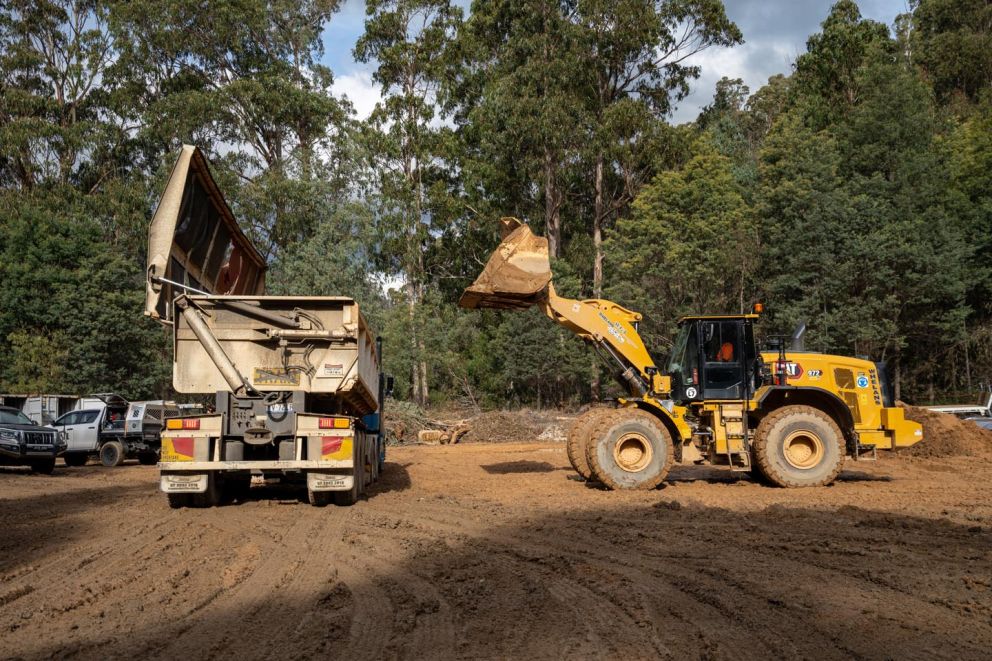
{"x":329,"y":482}
{"x":184,"y":483}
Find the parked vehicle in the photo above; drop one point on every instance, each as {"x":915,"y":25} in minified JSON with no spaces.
{"x":110,"y":427}
{"x":41,"y":409}
{"x":25,"y":443}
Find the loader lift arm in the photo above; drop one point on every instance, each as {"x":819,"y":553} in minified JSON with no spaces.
{"x":518,"y":276}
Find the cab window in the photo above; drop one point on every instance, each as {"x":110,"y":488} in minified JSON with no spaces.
{"x":722,"y":356}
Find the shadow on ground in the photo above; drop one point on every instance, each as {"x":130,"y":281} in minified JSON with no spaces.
{"x":613,"y":582}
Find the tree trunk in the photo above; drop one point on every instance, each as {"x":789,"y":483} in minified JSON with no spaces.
{"x":599,"y":217}
{"x":552,"y":204}
{"x":897,"y":379}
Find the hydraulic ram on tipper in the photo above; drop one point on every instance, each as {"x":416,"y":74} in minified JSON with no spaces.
{"x":239,"y":385}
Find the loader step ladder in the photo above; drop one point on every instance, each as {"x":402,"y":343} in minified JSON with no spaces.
{"x":734,"y":423}
{"x":864,"y":452}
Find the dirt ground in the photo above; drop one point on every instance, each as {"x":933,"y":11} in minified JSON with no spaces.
{"x":494,"y":551}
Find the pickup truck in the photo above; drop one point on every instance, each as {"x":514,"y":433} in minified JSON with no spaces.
{"x":113,"y":429}
{"x":24,"y":443}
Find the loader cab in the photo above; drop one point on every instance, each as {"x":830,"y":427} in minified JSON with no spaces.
{"x":714,"y":358}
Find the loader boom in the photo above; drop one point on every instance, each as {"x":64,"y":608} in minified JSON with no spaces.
{"x":518,"y":276}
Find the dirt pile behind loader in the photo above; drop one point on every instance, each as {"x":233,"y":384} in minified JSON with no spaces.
{"x":948,"y":436}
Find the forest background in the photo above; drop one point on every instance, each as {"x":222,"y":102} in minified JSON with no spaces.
{"x":852,"y":192}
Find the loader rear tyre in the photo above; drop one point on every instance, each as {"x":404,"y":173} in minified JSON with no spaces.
{"x":798,"y":446}
{"x":75,"y":458}
{"x":578,"y":439}
{"x":629,"y":449}
{"x":112,"y":454}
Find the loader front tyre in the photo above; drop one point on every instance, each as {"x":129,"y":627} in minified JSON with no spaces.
{"x":798,"y":446}
{"x":629,"y":449}
{"x":578,"y":439}
{"x":112,"y":454}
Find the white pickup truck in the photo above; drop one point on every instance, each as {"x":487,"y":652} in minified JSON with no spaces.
{"x":110,"y":427}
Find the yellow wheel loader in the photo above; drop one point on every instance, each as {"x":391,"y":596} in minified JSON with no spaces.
{"x":787,"y":416}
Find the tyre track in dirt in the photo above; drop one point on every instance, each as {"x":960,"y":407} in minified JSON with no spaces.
{"x":491,"y":551}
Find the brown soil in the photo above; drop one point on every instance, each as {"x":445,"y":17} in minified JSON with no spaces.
{"x":493,"y":551}
{"x":945,"y":435}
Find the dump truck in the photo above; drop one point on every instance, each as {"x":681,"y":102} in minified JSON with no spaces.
{"x":786,"y":415}
{"x":296,"y":380}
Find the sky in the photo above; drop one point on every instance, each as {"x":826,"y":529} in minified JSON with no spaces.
{"x":775,"y":33}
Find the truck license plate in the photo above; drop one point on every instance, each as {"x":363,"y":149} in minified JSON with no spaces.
{"x":184,"y":483}
{"x":324,"y":482}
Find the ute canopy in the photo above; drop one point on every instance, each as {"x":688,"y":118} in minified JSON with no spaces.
{"x":194,"y":240}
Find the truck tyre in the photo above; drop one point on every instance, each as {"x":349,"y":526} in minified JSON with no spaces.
{"x":75,"y":458}
{"x":798,"y":446}
{"x":214,"y":493}
{"x":578,"y":438}
{"x":237,"y":487}
{"x":177,"y":500}
{"x":629,"y":449}
{"x":319,"y":498}
{"x":112,"y":454}
{"x":351,"y":496}
{"x":43,"y":466}
{"x":147,"y":458}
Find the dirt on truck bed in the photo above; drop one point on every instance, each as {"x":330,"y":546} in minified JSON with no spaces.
{"x":494,"y":551}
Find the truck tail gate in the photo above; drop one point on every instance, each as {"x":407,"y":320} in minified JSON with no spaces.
{"x":194,"y":241}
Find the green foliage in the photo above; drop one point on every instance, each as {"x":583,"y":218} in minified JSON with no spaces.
{"x":688,"y":247}
{"x":853,"y":194}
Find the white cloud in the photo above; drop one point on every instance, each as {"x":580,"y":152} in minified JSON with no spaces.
{"x":359,"y":88}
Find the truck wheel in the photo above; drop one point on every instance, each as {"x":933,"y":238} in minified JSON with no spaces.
{"x":237,"y":487}
{"x":578,"y":439}
{"x":148,"y":458}
{"x":112,"y":454}
{"x":43,"y":466}
{"x":629,"y":449}
{"x":212,"y":496}
{"x":75,"y":458}
{"x":177,"y":500}
{"x":319,"y":498}
{"x":798,"y":446}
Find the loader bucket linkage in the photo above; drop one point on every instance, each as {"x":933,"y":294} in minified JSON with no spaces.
{"x":517,"y":274}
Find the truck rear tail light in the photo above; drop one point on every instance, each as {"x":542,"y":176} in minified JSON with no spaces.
{"x":183,"y":423}
{"x":334,"y":423}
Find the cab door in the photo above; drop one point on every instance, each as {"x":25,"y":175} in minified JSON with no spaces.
{"x":723,"y":355}
{"x":81,"y":428}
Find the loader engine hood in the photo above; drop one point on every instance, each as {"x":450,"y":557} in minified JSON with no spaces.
{"x":517,"y":274}
{"x":194,"y":240}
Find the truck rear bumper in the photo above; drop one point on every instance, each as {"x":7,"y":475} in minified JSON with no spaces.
{"x":193,"y":480}
{"x":303,"y":464}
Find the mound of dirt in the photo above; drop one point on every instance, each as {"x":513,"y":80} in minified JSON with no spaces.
{"x":505,"y":427}
{"x":945,"y":435}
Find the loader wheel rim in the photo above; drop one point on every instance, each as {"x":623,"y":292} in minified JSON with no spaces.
{"x":803,"y":449}
{"x":632,"y":452}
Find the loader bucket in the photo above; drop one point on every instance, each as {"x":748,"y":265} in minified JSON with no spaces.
{"x":517,"y":274}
